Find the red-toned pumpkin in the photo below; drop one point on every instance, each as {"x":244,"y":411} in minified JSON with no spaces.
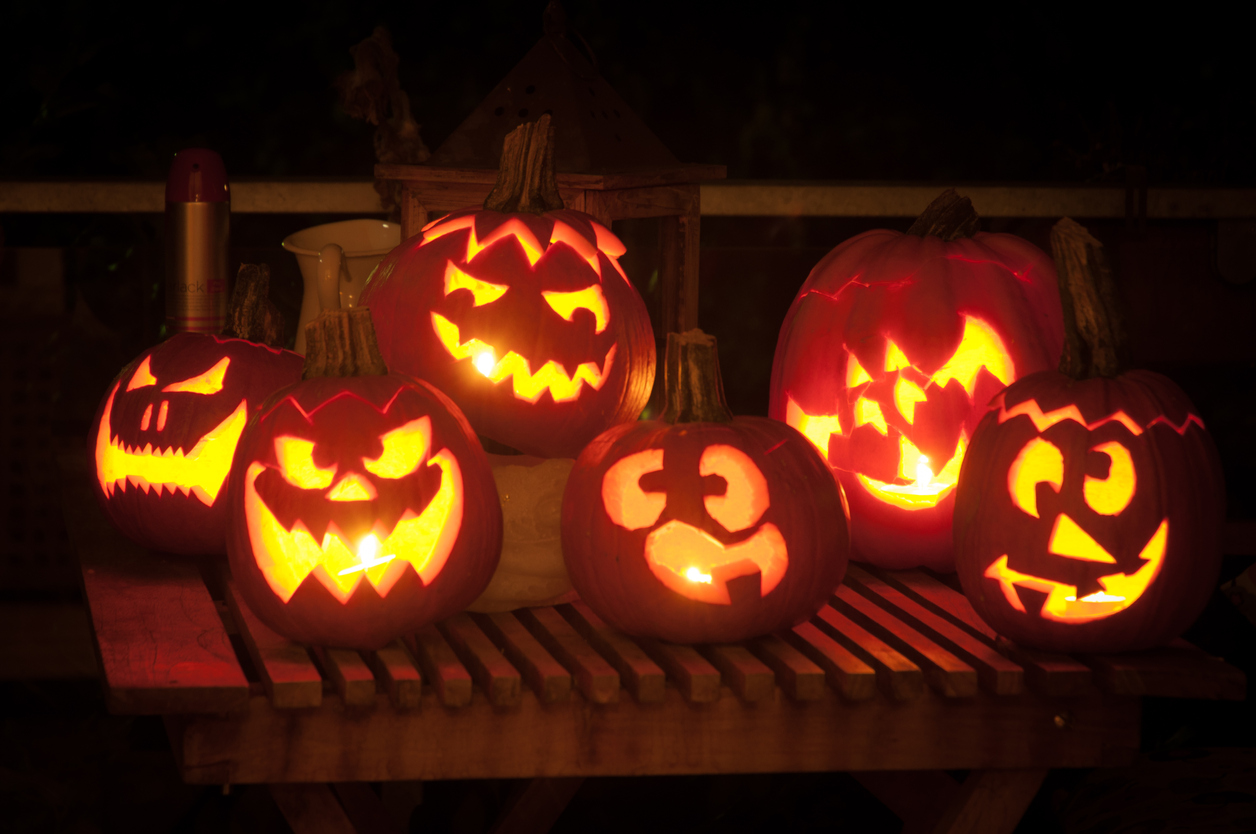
{"x":702,"y":527}
{"x":888,"y":356}
{"x":520,"y":312}
{"x":364,"y":505}
{"x":1089,"y":509}
{"x":165,"y":435}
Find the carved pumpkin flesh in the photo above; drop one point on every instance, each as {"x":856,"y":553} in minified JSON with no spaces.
{"x":527,"y":321}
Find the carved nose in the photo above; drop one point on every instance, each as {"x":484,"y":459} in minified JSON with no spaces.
{"x":352,"y":487}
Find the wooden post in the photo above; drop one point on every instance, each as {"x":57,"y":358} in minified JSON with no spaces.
{"x":413,"y":212}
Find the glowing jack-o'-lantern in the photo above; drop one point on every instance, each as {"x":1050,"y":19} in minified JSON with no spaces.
{"x":523,"y":315}
{"x":1089,"y":512}
{"x":365,"y":509}
{"x":702,"y":527}
{"x":165,"y":436}
{"x":888,"y":356}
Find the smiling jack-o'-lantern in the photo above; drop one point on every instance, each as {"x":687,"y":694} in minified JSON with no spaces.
{"x":702,"y":527}
{"x":365,"y":507}
{"x":1089,"y":510}
{"x":520,"y":312}
{"x":165,"y":435}
{"x":888,"y":356}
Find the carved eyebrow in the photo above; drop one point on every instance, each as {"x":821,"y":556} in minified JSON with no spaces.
{"x":209,"y":382}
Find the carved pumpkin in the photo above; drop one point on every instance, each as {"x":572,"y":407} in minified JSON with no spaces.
{"x":522,"y":314}
{"x":165,"y":435}
{"x":702,"y":527}
{"x":1089,"y":511}
{"x":365,"y":507}
{"x":889,"y":355}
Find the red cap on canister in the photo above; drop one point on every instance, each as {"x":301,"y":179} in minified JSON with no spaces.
{"x":197,"y":176}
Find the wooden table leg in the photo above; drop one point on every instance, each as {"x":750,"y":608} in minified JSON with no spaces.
{"x":917,"y":797}
{"x":310,"y":808}
{"x":991,"y":801}
{"x":535,"y":805}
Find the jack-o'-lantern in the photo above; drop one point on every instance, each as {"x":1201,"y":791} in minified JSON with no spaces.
{"x":702,"y":527}
{"x":1089,"y":509}
{"x":364,"y":508}
{"x":165,"y":435}
{"x":520,"y":312}
{"x":889,"y":355}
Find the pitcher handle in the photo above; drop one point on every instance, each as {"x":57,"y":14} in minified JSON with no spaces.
{"x":325,"y":294}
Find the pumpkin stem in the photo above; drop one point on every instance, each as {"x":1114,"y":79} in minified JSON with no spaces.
{"x":251,"y":315}
{"x":525,"y":177}
{"x":694,"y":388}
{"x":342,"y":343}
{"x":1094,"y":330}
{"x":949,"y":217}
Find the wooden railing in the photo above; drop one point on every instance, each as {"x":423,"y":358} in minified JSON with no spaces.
{"x":728,"y":198}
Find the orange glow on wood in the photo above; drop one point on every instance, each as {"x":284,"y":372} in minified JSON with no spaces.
{"x":627,"y":504}
{"x":209,"y":382}
{"x":200,"y":472}
{"x":482,"y":291}
{"x":695,"y":565}
{"x":1040,"y":461}
{"x":142,"y":377}
{"x":527,"y":385}
{"x":404,"y":449}
{"x":1120,"y":590}
{"x":424,"y":541}
{"x":590,"y":298}
{"x":746,"y":497}
{"x":1111,"y":495}
{"x":296,"y":464}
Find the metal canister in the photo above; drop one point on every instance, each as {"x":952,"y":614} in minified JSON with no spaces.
{"x":198,"y":216}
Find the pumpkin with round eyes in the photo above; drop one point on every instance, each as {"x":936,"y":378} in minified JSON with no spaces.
{"x":1089,"y":510}
{"x":888,"y":356}
{"x":520,"y":312}
{"x":165,"y":436}
{"x":364,"y":506}
{"x":702,"y":527}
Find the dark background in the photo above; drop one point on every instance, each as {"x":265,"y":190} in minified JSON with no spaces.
{"x":786,"y":90}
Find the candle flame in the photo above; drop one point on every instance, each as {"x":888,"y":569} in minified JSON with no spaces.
{"x":485,"y":361}
{"x":695,"y":575}
{"x":923,"y":473}
{"x":368,"y":550}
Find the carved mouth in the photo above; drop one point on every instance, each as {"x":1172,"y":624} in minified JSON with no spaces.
{"x":695,"y":565}
{"x":424,"y":541}
{"x":1120,"y":590}
{"x":527,"y":385}
{"x":200,"y":472}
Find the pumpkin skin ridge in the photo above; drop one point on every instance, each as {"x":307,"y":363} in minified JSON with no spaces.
{"x":174,"y":522}
{"x":855,"y":298}
{"x":607,"y":566}
{"x":367,"y":621}
{"x":1178,"y":479}
{"x":545,"y":428}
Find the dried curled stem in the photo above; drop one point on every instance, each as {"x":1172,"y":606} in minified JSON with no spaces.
{"x":342,"y":343}
{"x":525,"y":178}
{"x":949,"y":217}
{"x":694,"y":387}
{"x":1094,"y":329}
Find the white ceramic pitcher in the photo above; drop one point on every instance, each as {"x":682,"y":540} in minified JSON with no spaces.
{"x":335,"y":261}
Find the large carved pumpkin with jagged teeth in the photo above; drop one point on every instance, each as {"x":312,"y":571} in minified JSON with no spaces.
{"x":165,"y":436}
{"x":526,"y":320}
{"x":365,"y":509}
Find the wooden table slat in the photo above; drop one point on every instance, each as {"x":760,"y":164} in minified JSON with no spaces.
{"x":441,"y":667}
{"x":291,"y":679}
{"x":692,"y":673}
{"x":1179,"y":670}
{"x":488,"y":667}
{"x":595,"y":677}
{"x":1051,"y":673}
{"x":945,"y":672}
{"x":349,"y":673}
{"x":898,"y":677}
{"x":996,"y":673}
{"x":396,"y":670}
{"x":744,"y":673}
{"x":843,"y":670}
{"x":942,"y":598}
{"x":548,"y":678}
{"x":801,"y":679}
{"x":641,"y":676}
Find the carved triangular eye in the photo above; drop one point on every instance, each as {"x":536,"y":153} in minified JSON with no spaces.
{"x":143,"y":377}
{"x":209,"y":382}
{"x":296,"y":464}
{"x":1111,"y":495}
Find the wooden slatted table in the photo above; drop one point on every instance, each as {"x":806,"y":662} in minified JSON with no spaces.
{"x":896,"y":673}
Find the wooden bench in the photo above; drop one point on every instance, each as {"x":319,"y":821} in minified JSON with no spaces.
{"x":896,"y":680}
